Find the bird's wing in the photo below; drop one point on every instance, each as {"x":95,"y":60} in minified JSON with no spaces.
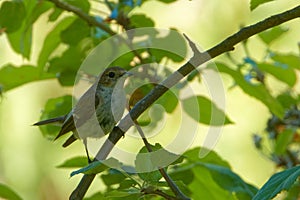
{"x":82,"y":112}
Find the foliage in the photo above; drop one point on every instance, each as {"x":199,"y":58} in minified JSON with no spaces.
{"x":70,"y":41}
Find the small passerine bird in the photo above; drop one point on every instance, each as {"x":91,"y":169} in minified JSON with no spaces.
{"x":97,"y":111}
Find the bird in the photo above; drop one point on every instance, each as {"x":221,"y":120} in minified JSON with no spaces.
{"x":97,"y":110}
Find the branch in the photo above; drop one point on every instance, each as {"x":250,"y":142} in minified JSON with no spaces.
{"x":89,"y":19}
{"x":198,"y":59}
{"x":172,"y":185}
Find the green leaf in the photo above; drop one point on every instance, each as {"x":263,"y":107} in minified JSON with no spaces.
{"x":12,"y":76}
{"x":259,"y":92}
{"x":12,"y":15}
{"x":205,"y":111}
{"x":272,"y":34}
{"x":205,"y":187}
{"x":83,"y":5}
{"x":21,"y":40}
{"x":288,"y":59}
{"x":54,"y":108}
{"x":75,"y":32}
{"x":140,"y":20}
{"x":167,"y":1}
{"x":52,"y":41}
{"x":212,"y":157}
{"x":66,"y":66}
{"x":76,"y":162}
{"x":7,"y":193}
{"x":280,"y":181}
{"x":98,"y":167}
{"x":96,"y":196}
{"x":230,"y":181}
{"x":282,"y":73}
{"x":255,"y":3}
{"x":169,"y":101}
{"x":113,"y":177}
{"x":130,"y":194}
{"x":287,"y":100}
{"x":283,"y":140}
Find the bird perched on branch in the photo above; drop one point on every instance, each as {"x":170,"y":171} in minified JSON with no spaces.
{"x":97,"y":111}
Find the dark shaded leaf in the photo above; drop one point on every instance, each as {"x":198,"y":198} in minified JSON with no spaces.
{"x":74,"y":33}
{"x":98,"y":167}
{"x":280,"y":181}
{"x":12,"y":15}
{"x":54,"y":108}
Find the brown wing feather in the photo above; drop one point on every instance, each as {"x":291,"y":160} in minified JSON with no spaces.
{"x":83,"y":111}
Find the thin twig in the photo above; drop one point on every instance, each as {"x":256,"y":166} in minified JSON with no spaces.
{"x":226,"y":45}
{"x":173,"y":186}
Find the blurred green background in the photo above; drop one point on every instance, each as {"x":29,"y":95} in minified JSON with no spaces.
{"x":28,"y":161}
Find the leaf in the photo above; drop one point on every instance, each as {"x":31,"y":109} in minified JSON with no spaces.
{"x":284,"y":74}
{"x":280,"y":181}
{"x":167,"y":1}
{"x":256,"y":3}
{"x":76,"y":162}
{"x":283,"y":140}
{"x":12,"y":76}
{"x":66,"y":66}
{"x":54,"y":108}
{"x":212,"y":157}
{"x":288,"y":59}
{"x":113,"y":177}
{"x":259,"y":92}
{"x":287,"y":100}
{"x":75,"y":32}
{"x":98,"y":167}
{"x":52,"y":41}
{"x":95,"y":196}
{"x":7,"y":193}
{"x":272,"y":34}
{"x":83,"y":5}
{"x":205,"y":111}
{"x":12,"y":15}
{"x":230,"y":181}
{"x":140,"y":20}
{"x":130,"y":194}
{"x":205,"y":187}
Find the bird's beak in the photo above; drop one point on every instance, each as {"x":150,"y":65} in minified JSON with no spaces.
{"x":127,"y":74}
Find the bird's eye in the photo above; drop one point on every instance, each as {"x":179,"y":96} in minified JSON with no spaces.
{"x":111,"y":74}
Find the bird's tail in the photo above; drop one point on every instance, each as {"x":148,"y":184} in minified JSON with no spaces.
{"x":59,"y":120}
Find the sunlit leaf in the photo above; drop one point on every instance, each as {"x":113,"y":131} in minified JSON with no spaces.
{"x":283,"y":140}
{"x":205,"y":111}
{"x":290,"y":60}
{"x":280,"y":181}
{"x":8,"y":193}
{"x":256,"y":3}
{"x":285,"y":74}
{"x":272,"y":34}
{"x":140,"y":20}
{"x":259,"y":92}
{"x":52,"y":41}
{"x":75,"y":162}
{"x":12,"y":76}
